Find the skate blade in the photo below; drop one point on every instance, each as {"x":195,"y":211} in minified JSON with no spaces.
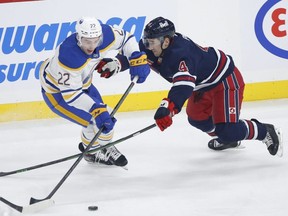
{"x":100,"y":165}
{"x":124,"y":167}
{"x":280,"y":137}
{"x":240,"y":147}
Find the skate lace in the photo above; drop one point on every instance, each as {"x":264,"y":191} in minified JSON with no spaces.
{"x":268,"y":139}
{"x":101,"y":156}
{"x":112,"y":152}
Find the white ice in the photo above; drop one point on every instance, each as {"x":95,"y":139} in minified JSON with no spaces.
{"x":169,"y":173}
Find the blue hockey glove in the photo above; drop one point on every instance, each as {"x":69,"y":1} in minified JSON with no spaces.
{"x":139,"y":66}
{"x":102,"y":117}
{"x":164,"y":114}
{"x":108,"y":67}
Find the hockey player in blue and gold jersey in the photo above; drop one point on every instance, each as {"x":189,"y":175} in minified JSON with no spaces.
{"x":67,"y":87}
{"x":211,"y":82}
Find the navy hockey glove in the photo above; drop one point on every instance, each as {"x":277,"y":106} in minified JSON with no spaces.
{"x":102,"y":117}
{"x":164,"y":114}
{"x":139,"y":66}
{"x":108,"y":67}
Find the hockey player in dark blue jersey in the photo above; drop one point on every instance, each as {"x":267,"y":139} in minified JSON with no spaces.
{"x":212,"y":84}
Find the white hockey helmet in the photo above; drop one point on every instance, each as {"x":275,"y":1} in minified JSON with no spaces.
{"x":88,"y":27}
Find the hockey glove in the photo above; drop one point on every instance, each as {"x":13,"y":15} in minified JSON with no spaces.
{"x":108,"y":67}
{"x":139,"y":66}
{"x":102,"y":117}
{"x":164,"y":114}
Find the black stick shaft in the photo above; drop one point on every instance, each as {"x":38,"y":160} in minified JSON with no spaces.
{"x":12,"y":205}
{"x":76,"y":155}
{"x":32,"y":200}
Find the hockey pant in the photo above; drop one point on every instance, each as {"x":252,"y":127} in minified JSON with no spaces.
{"x":81,"y":117}
{"x":216,"y":111}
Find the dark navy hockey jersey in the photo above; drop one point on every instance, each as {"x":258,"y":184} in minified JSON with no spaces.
{"x":189,"y":67}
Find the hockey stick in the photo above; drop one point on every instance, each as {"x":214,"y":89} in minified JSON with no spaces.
{"x":47,"y":201}
{"x":33,"y":200}
{"x":30,"y":208}
{"x":76,"y":155}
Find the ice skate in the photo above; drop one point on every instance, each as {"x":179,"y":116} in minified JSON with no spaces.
{"x":115,"y":156}
{"x":217,"y":146}
{"x":99,"y":156}
{"x":107,"y":156}
{"x":273,"y":140}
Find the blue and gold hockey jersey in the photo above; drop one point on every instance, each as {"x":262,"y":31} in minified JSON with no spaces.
{"x":70,"y":70}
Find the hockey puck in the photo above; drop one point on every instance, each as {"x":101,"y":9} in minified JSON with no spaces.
{"x":92,"y":208}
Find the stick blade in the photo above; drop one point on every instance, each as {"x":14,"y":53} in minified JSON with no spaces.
{"x":38,"y":206}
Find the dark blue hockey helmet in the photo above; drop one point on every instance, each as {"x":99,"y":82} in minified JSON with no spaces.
{"x":159,"y":27}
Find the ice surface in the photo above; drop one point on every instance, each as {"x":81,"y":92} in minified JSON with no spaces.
{"x":170,"y":173}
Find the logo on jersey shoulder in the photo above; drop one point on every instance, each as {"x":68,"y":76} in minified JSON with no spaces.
{"x":271,"y":27}
{"x":95,"y":55}
{"x":182,"y":66}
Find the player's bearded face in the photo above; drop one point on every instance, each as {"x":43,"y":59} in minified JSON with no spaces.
{"x":88,"y":45}
{"x":154,"y":45}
